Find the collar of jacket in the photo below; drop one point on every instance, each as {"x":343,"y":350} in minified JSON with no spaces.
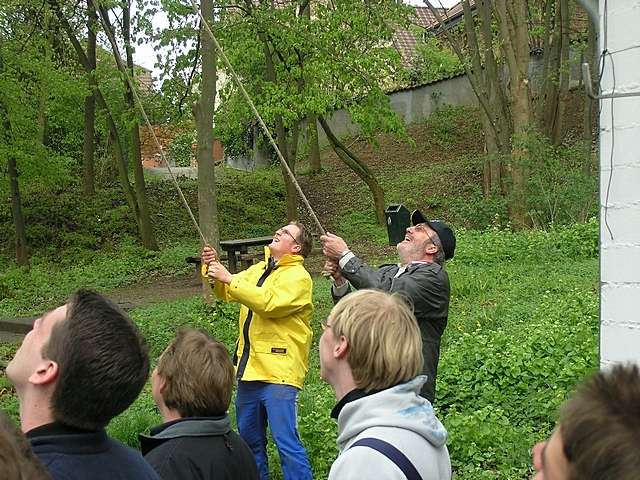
{"x":285,"y":260}
{"x":54,"y":438}
{"x":185,"y":427}
{"x":413,"y":266}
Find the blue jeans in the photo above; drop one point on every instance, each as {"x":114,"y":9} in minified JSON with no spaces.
{"x":258,"y":403}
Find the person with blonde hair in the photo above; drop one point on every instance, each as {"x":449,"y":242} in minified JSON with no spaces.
{"x":192,"y":386}
{"x":371,"y":355}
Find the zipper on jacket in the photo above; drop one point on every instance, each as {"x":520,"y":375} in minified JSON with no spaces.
{"x":244,"y":358}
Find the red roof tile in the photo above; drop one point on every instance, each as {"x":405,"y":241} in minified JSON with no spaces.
{"x":404,"y":42}
{"x":451,"y":14}
{"x":424,"y":17}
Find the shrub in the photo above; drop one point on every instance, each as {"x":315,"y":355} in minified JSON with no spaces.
{"x":560,"y":188}
{"x":181,"y":150}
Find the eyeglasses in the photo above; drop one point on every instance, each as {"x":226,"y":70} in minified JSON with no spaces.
{"x":284,"y":230}
{"x":423,"y":227}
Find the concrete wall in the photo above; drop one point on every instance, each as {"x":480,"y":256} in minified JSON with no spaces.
{"x":412,"y":105}
{"x":620,"y":186}
{"x":416,"y":104}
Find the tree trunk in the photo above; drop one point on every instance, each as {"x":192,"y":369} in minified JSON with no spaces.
{"x":281,"y":137}
{"x":292,"y":154}
{"x":487,"y":84}
{"x":563,"y":74}
{"x":312,"y":120}
{"x":587,"y":128}
{"x":515,"y":38}
{"x":114,"y":138}
{"x":146,"y":230}
{"x":492,"y":173}
{"x":474,"y":76}
{"x":546,"y":91}
{"x":497,"y":128}
{"x":550,"y":95}
{"x":360,"y":168}
{"x":203,"y":111}
{"x":42,"y":115}
{"x":292,"y":193}
{"x":16,"y":211}
{"x":88,"y":149}
{"x":314,"y":147}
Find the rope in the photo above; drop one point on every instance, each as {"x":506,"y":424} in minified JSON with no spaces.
{"x":265,"y":129}
{"x":138,"y":103}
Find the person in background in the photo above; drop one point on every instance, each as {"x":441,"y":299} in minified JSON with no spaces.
{"x":17,"y":461}
{"x":598,"y":434}
{"x":371,"y":354}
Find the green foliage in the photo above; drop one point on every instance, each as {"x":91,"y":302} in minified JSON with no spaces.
{"x":444,"y":125}
{"x":574,"y":241}
{"x":523,"y":329}
{"x":138,"y":418}
{"x":316,"y":64}
{"x":181,"y":149}
{"x":62,"y":221}
{"x":39,"y":124}
{"x":560,"y":187}
{"x":499,"y":388}
{"x":47,"y":284}
{"x":362,"y":227}
{"x":433,"y":62}
{"x":160,"y":322}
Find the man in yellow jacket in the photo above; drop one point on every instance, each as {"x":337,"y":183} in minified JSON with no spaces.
{"x":272,"y":351}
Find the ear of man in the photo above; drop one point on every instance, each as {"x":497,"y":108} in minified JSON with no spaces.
{"x":430,"y":248}
{"x":162,"y":384}
{"x":45,"y":374}
{"x":341,"y":348}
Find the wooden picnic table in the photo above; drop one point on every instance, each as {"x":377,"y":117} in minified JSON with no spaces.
{"x":237,"y":250}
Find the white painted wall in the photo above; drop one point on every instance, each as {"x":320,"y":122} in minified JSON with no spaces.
{"x":620,"y":181}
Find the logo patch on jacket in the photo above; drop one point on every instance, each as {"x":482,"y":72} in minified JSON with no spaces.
{"x":278,"y":350}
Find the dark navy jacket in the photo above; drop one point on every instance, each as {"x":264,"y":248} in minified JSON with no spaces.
{"x":69,"y":454}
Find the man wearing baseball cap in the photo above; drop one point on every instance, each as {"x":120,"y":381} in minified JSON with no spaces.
{"x":419,"y":276}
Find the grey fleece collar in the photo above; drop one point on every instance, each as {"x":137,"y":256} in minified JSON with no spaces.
{"x":194,"y":427}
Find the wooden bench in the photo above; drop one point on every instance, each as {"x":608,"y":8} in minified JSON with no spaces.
{"x":237,"y":253}
{"x":238,"y":250}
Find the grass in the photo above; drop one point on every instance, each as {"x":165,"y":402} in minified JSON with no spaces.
{"x":522,"y":331}
{"x":46,"y":284}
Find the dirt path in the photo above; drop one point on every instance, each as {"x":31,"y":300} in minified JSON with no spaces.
{"x":162,"y":289}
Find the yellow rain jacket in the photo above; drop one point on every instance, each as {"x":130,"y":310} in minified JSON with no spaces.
{"x":274,"y":335}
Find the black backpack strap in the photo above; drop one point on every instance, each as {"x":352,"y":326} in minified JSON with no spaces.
{"x":393,"y":454}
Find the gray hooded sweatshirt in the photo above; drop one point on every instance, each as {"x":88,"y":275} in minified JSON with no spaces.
{"x":401,"y":417}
